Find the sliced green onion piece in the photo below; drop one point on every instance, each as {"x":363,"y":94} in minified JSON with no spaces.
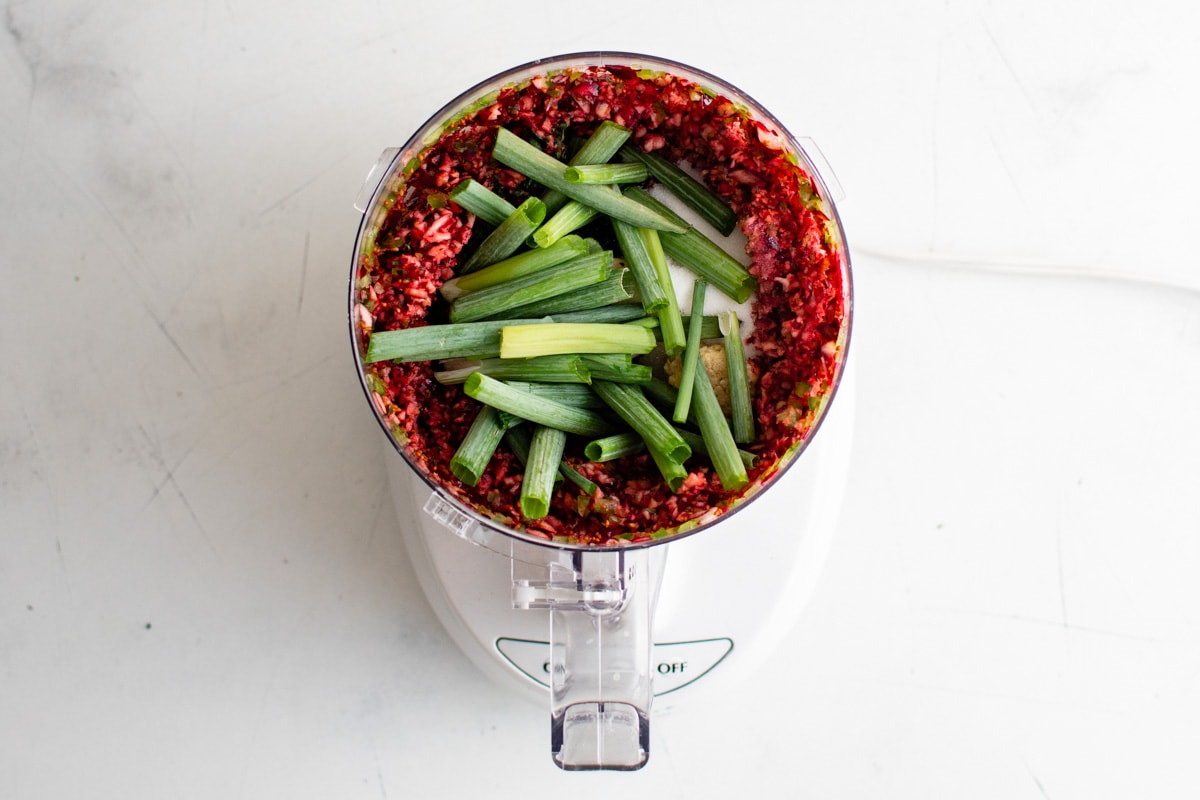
{"x":673,"y":472}
{"x":526,"y":341}
{"x":430,"y":342}
{"x":535,"y":287}
{"x":650,"y":323}
{"x":607,"y":448}
{"x":517,"y":439}
{"x":700,"y":254}
{"x":630,"y":172}
{"x":616,"y":288}
{"x":710,"y":327}
{"x":571,"y":217}
{"x":616,"y":367}
{"x":669,"y":320}
{"x":573,"y":475}
{"x":543,"y":369}
{"x":741,"y":411}
{"x":641,"y":415}
{"x":508,"y":236}
{"x":691,"y":354}
{"x":530,"y":261}
{"x":541,"y":410}
{"x":513,"y":151}
{"x":722,"y":450}
{"x":472,"y":456}
{"x":481,"y":201}
{"x":618,"y":312}
{"x":691,"y":191}
{"x":696,"y":442}
{"x":638,"y":259}
{"x":602,"y":145}
{"x":579,"y":395}
{"x":663,"y":395}
{"x":545,"y":455}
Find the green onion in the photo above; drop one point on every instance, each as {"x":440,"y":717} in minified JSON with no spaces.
{"x":571,"y":474}
{"x":571,"y":217}
{"x":508,"y":236}
{"x":532,"y":288}
{"x":534,"y":408}
{"x":616,"y":288}
{"x":742,"y":413}
{"x":691,"y":191}
{"x":616,"y":367}
{"x":650,"y":323}
{"x":572,"y":318}
{"x":634,"y":248}
{"x":700,"y":254}
{"x":710,"y":326}
{"x":515,"y":266}
{"x":579,"y":395}
{"x":607,"y":448}
{"x":432,"y":342}
{"x":669,"y":319}
{"x":517,"y":438}
{"x":722,"y":450}
{"x":602,"y":145}
{"x":513,"y":151}
{"x":473,"y":455}
{"x":673,"y":472}
{"x":663,"y":395}
{"x":545,"y":455}
{"x":618,"y":312}
{"x":543,"y":369}
{"x":543,"y":339}
{"x":696,"y":442}
{"x":641,"y":415}
{"x":607,"y":173}
{"x":481,"y":201}
{"x":691,"y":354}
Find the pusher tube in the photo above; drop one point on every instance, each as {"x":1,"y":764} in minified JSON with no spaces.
{"x":601,"y":680}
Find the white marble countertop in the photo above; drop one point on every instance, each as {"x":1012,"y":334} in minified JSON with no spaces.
{"x":202,"y":590}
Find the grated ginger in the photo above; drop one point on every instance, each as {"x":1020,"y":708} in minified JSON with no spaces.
{"x":712,"y":357}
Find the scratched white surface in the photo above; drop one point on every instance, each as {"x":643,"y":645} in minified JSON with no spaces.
{"x":202,"y":592}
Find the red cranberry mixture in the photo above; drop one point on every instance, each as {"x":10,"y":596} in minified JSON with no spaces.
{"x":798,"y":312}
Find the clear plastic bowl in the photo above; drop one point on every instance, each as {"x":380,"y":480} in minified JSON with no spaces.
{"x":391,"y":183}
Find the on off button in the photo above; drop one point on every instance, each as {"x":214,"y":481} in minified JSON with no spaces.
{"x":675,"y":664}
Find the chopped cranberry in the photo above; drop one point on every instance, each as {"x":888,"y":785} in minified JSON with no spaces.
{"x":418,"y":247}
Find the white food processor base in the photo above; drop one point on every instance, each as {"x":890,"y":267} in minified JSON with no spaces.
{"x":727,"y":595}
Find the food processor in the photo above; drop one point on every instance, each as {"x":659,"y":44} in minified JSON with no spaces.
{"x":606,"y":632}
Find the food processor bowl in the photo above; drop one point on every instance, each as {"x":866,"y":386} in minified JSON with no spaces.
{"x":600,"y":597}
